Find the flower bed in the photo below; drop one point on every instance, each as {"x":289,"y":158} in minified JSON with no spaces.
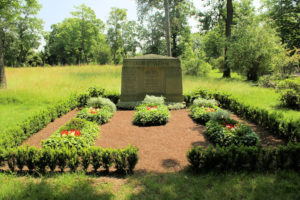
{"x":203,"y":114}
{"x":98,"y":115}
{"x":77,"y":133}
{"x":228,"y":132}
{"x":151,"y":115}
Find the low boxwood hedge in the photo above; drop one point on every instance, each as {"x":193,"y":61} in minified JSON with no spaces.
{"x":48,"y":159}
{"x":151,"y":115}
{"x":78,"y":133}
{"x":255,"y":158}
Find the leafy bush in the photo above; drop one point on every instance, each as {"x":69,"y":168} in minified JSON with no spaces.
{"x":290,"y":93}
{"x":88,"y":132}
{"x":100,"y":116}
{"x":196,"y":66}
{"x":151,"y":115}
{"x":150,"y":99}
{"x":271,"y":80}
{"x":245,"y":157}
{"x":175,"y":106}
{"x":203,"y":114}
{"x":95,"y":92}
{"x":205,"y":102}
{"x":100,"y":102}
{"x":231,"y":132}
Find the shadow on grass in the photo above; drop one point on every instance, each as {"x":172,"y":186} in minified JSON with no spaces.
{"x":185,"y":184}
{"x":211,"y":185}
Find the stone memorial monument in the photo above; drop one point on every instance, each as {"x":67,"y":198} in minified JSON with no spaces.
{"x":153,"y":75}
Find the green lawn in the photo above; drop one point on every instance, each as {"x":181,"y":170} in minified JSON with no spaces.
{"x":183,"y":185}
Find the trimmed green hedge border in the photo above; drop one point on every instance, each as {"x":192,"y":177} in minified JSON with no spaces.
{"x":245,"y":158}
{"x":39,"y":160}
{"x":272,"y":121}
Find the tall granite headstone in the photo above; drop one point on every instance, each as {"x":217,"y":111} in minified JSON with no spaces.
{"x":153,"y":75}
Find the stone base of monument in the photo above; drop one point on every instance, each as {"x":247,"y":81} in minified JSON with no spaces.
{"x":153,"y":75}
{"x":131,"y":105}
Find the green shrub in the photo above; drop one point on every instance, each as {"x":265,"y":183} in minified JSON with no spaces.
{"x":290,"y":93}
{"x":175,"y":106}
{"x":132,"y":157}
{"x":204,"y":114}
{"x":10,"y":157}
{"x":43,"y":159}
{"x":94,"y":92}
{"x":85,"y":158}
{"x":62,"y":158}
{"x":20,"y":157}
{"x":196,"y":66}
{"x":100,"y":116}
{"x":99,"y":102}
{"x":31,"y":156}
{"x":151,"y":115}
{"x":73,"y":159}
{"x":150,"y":99}
{"x":88,"y":132}
{"x":107,"y":158}
{"x":205,"y":102}
{"x":96,"y":161}
{"x":52,"y":155}
{"x":120,"y":160}
{"x":231,"y":132}
{"x":245,"y":157}
{"x":2,"y":154}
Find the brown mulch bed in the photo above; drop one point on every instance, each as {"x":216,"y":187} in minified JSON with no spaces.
{"x":161,"y":148}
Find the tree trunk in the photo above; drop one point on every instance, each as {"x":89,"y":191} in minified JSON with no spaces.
{"x":226,"y":72}
{"x":167,"y":27}
{"x":2,"y":71}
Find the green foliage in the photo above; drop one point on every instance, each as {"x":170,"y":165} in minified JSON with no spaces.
{"x":100,"y":116}
{"x":203,"y":114}
{"x":290,"y":93}
{"x":150,"y":99}
{"x":151,"y":115}
{"x":96,"y":160}
{"x":205,"y":102}
{"x":272,"y":121}
{"x":88,"y":132}
{"x":231,"y":132}
{"x":253,"y":48}
{"x":86,"y":155}
{"x":79,"y":39}
{"x":107,"y":158}
{"x":99,"y":102}
{"x":245,"y":157}
{"x":73,"y":159}
{"x":175,"y":106}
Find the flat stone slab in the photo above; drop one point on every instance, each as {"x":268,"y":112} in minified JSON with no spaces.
{"x":153,"y":75}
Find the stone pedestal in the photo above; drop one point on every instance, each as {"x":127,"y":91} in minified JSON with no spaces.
{"x":152,"y":75}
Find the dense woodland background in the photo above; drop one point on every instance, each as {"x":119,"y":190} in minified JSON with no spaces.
{"x":232,"y":36}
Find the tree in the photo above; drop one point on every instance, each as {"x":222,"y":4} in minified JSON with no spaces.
{"x":253,"y":49}
{"x":28,"y":29}
{"x":229,"y":18}
{"x":179,"y":11}
{"x":9,"y":11}
{"x":130,"y":36}
{"x":89,"y":27}
{"x":77,"y":39}
{"x":167,"y":27}
{"x":285,"y":17}
{"x":115,"y":23}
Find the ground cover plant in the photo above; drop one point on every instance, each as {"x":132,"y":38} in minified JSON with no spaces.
{"x":98,"y":110}
{"x":78,"y":133}
{"x":151,"y":114}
